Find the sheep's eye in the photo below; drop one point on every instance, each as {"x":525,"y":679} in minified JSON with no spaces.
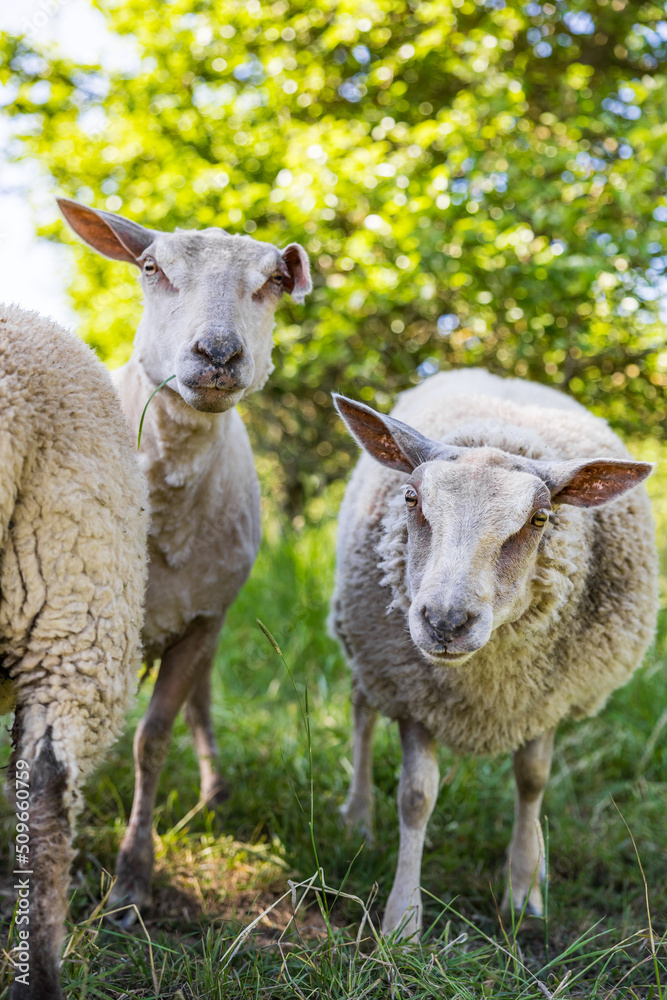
{"x":539,"y":518}
{"x":278,"y":279}
{"x":411,"y":497}
{"x":150,"y":266}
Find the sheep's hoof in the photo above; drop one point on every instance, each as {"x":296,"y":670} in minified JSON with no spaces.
{"x":127,"y":899}
{"x":402,"y":924}
{"x":357,"y":818}
{"x":531,"y":907}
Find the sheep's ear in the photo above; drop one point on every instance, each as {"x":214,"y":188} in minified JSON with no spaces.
{"x":388,"y":440}
{"x":592,"y":483}
{"x":109,"y":234}
{"x":298,"y":266}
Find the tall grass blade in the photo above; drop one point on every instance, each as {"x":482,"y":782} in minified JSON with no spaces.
{"x":143,"y":415}
{"x":648,"y":907}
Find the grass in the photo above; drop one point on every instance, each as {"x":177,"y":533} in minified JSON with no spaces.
{"x":259,"y":860}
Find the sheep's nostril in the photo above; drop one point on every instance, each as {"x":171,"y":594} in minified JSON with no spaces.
{"x":219,"y":353}
{"x":450,"y":625}
{"x":464,"y":626}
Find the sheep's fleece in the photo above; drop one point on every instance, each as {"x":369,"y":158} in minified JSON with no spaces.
{"x":593,"y":610}
{"x":73,"y":523}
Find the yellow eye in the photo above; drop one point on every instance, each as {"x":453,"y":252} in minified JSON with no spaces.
{"x":150,"y":266}
{"x":411,"y":498}
{"x":540,"y":518}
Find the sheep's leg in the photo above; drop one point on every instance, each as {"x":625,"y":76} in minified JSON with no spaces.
{"x":181,"y":666}
{"x":42,"y":891}
{"x":417,"y":793}
{"x":525,"y":860}
{"x":213,"y":787}
{"x":357,"y":812}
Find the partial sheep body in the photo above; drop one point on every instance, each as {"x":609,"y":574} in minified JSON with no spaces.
{"x":489,"y":708}
{"x":209,"y":304}
{"x":205,"y":511}
{"x":589,"y":604}
{"x":73,"y":523}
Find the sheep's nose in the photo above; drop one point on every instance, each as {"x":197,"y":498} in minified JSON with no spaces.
{"x":449,"y":625}
{"x":220,"y":352}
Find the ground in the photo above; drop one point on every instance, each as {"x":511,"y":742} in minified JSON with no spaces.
{"x":217,"y":873}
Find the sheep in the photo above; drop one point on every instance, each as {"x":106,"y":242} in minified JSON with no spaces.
{"x":209,"y":303}
{"x":492,"y":580}
{"x":73,"y":526}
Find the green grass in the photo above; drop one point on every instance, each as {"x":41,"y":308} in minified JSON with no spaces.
{"x":216,"y":873}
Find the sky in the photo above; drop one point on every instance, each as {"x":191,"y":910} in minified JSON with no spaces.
{"x":34,"y":273}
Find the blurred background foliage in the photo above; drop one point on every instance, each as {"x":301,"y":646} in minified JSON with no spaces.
{"x":476,"y":181}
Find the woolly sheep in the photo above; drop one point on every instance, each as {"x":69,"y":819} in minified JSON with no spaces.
{"x":73,"y":523}
{"x":497,"y":530}
{"x":209,"y":304}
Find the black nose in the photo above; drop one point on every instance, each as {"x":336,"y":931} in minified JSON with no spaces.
{"x":450,"y":625}
{"x":220,"y":351}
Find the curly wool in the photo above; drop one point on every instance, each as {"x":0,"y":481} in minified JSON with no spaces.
{"x":73,"y":523}
{"x":592,"y":613}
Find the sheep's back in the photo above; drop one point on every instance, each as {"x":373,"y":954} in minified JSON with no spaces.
{"x":554,"y":424}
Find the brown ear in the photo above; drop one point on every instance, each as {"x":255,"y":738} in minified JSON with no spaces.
{"x":389,"y":441}
{"x":593,"y":483}
{"x":109,"y":234}
{"x":299,"y":283}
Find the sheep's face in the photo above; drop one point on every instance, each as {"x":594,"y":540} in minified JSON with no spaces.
{"x":474,"y":528}
{"x":209,"y":302}
{"x":208,"y":315}
{"x":475,"y":520}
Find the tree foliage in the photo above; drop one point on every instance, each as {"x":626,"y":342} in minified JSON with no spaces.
{"x":476,"y":182}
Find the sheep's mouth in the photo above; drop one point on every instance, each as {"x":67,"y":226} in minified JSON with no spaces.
{"x":211,"y":398}
{"x":215,"y":381}
{"x":444,"y":656}
{"x":218,"y":388}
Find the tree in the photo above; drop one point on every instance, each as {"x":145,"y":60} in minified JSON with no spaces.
{"x":476,"y":183}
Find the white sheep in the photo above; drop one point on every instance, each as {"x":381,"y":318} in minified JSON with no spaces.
{"x":73,"y":523}
{"x":521,"y":591}
{"x":209,"y":304}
